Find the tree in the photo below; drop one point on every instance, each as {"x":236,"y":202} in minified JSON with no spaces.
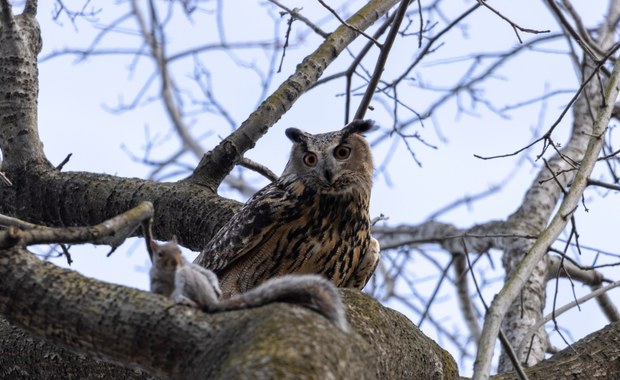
{"x":137,"y":329}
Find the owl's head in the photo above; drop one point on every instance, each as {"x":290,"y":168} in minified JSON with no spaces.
{"x":334,"y":159}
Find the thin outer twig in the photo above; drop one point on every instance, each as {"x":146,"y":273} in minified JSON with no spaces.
{"x":530,"y":333}
{"x":4,"y":179}
{"x":589,"y":277}
{"x":564,"y":111}
{"x":298,"y":16}
{"x":159,"y":55}
{"x":514,"y":26}
{"x":521,"y":274}
{"x":444,"y":274}
{"x":287,"y":35}
{"x":584,"y":40}
{"x":343,"y":22}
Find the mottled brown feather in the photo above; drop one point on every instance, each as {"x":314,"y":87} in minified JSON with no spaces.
{"x":311,"y":220}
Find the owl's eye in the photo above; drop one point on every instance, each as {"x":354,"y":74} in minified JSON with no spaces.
{"x":342,"y":152}
{"x":310,"y":159}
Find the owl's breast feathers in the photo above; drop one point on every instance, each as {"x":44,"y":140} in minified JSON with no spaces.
{"x":293,"y":227}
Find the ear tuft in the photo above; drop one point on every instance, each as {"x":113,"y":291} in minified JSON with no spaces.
{"x":295,"y":135}
{"x":358,"y":126}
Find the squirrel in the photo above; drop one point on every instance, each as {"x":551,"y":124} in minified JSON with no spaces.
{"x":192,"y":285}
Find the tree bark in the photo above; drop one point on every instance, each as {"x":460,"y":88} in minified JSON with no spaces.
{"x":149,"y":333}
{"x":597,"y":356}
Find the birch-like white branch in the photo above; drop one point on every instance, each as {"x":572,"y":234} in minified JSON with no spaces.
{"x":519,"y":277}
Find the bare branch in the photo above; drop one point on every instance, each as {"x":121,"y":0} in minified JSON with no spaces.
{"x":296,"y":14}
{"x":352,"y":27}
{"x":215,"y":165}
{"x":563,"y":309}
{"x":610,"y":186}
{"x":514,"y":26}
{"x":520,"y":275}
{"x":381,"y":60}
{"x":259,"y":168}
{"x":111,"y":232}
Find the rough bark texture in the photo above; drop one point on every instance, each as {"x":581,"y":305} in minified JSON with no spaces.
{"x":595,"y":357}
{"x":147,"y":332}
{"x":45,"y":196}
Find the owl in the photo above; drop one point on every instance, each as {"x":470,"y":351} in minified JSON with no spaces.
{"x":313,"y":219}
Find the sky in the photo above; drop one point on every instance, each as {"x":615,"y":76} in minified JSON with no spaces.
{"x":76,"y":97}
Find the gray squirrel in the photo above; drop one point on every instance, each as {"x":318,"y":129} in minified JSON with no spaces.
{"x":192,"y":285}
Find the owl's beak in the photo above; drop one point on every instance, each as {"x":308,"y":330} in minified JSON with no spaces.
{"x":328,"y":175}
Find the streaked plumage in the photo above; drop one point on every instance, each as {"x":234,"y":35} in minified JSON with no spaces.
{"x":313,"y":219}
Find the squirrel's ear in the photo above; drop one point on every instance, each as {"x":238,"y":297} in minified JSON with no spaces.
{"x":152,"y":248}
{"x":174,"y":239}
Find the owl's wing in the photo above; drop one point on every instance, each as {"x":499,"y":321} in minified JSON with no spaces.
{"x":252,"y":225}
{"x":367,"y":266}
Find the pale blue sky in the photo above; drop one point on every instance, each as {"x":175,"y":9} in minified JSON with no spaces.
{"x":72,"y":119}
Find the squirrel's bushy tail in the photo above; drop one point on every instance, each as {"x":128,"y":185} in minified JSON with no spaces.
{"x":310,"y":290}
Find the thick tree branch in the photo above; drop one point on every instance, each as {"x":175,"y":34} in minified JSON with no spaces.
{"x":146,"y":331}
{"x":216,"y":164}
{"x":20,"y":43}
{"x":588,"y":358}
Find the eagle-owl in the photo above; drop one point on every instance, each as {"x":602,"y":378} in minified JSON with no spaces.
{"x":313,"y":219}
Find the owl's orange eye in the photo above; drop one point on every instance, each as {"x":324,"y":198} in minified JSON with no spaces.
{"x":310,"y":159}
{"x":342,"y":152}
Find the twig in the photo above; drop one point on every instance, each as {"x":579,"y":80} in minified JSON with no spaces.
{"x":530,"y":333}
{"x":584,"y":40}
{"x":378,"y":219}
{"x":444,"y":274}
{"x":382,"y":59}
{"x":4,"y":179}
{"x":514,"y":26}
{"x":352,"y":27}
{"x":521,"y":274}
{"x":594,"y":182}
{"x":158,"y":54}
{"x":64,"y":162}
{"x":297,"y":15}
{"x":111,"y":232}
{"x":589,"y":277}
{"x":564,"y":111}
{"x":289,"y":26}
{"x":259,"y":168}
